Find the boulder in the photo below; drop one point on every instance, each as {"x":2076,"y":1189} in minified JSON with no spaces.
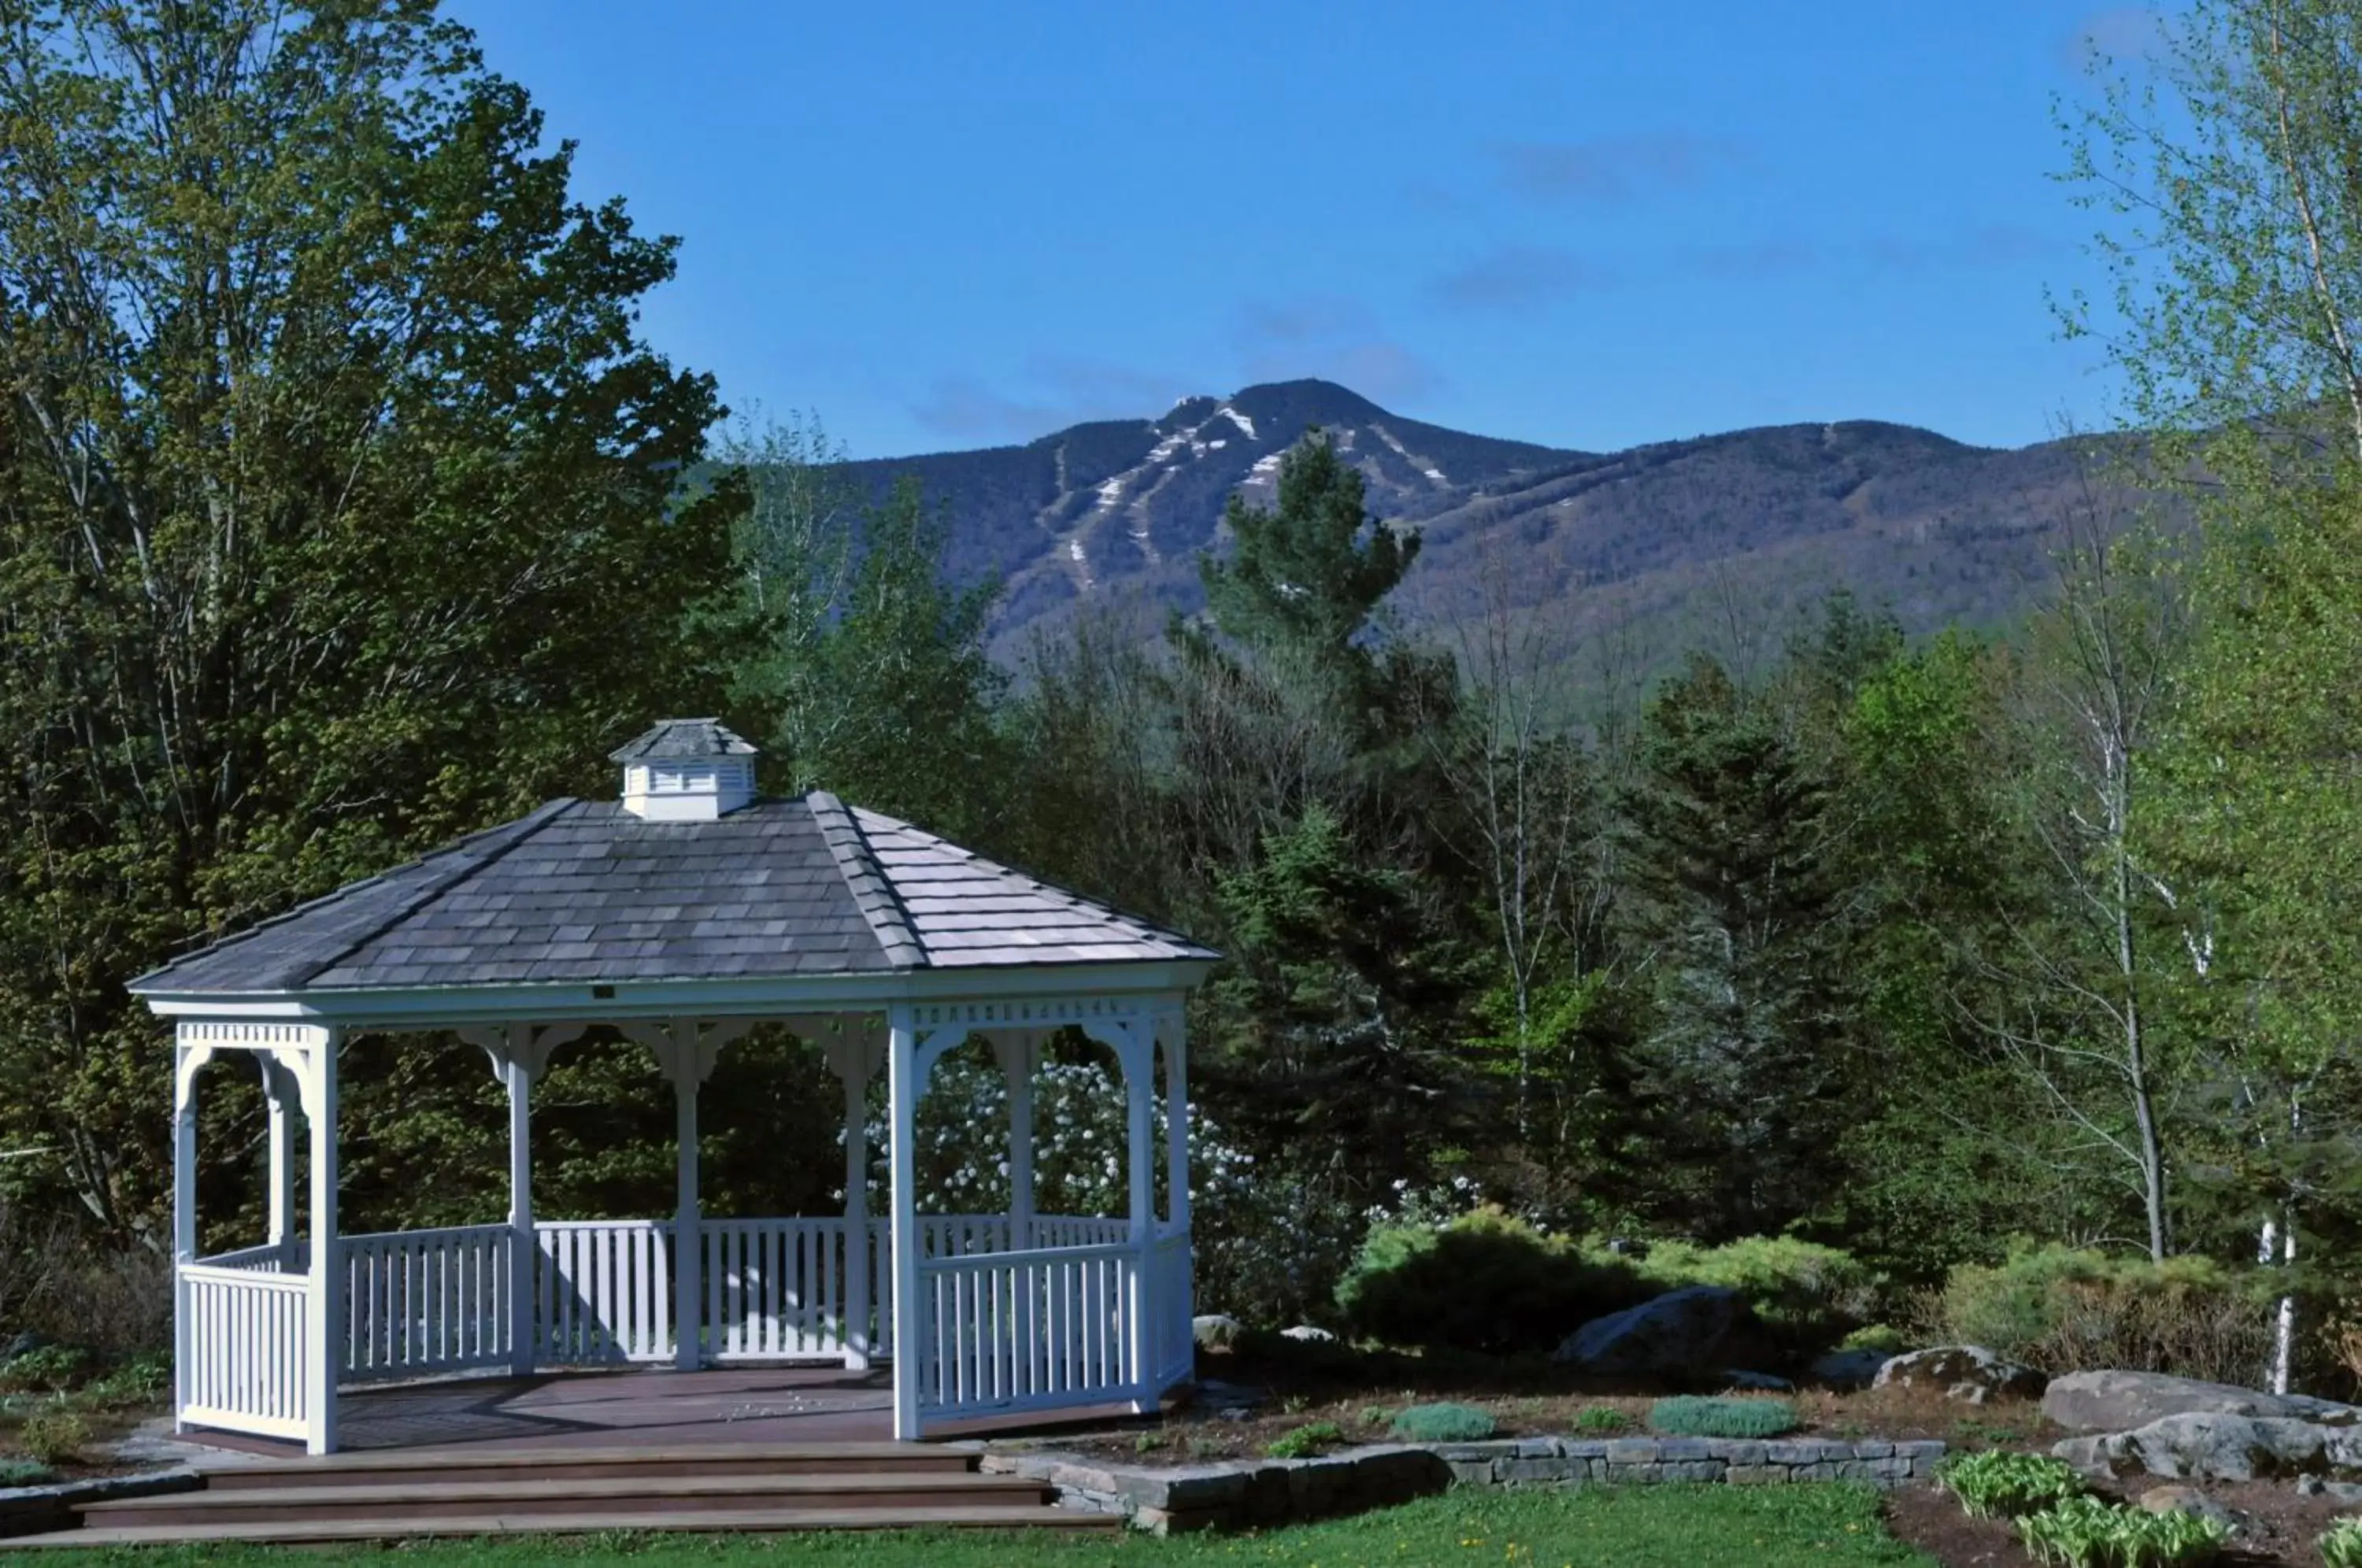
{"x":1307,"y":1333}
{"x":1971,"y":1373}
{"x":2110,"y":1401}
{"x":2213,"y":1445}
{"x":1692,"y":1331}
{"x":1848,"y":1369}
{"x":1216,"y":1331}
{"x":1758,"y":1382}
{"x":2174,"y":1499}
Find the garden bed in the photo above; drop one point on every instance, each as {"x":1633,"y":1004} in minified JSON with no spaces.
{"x":2280,"y":1525}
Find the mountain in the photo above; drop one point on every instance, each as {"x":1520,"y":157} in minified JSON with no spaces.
{"x":1661,"y":541}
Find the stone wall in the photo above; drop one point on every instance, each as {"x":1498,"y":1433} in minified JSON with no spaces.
{"x":1284,"y":1491}
{"x":31,"y":1510}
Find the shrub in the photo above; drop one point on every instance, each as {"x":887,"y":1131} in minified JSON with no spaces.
{"x":1444,"y":1423}
{"x":49,"y":1369}
{"x":1304,"y":1442}
{"x":1883,"y":1338}
{"x":1999,"y":1484}
{"x":54,"y":1436}
{"x":2085,"y":1532}
{"x":1485,"y":1282}
{"x":1807,"y":1294}
{"x":137,"y":1380}
{"x":2341,"y":1544}
{"x":23,"y":1473}
{"x":2060,"y":1308}
{"x":1689,"y":1415}
{"x":1600,"y":1418}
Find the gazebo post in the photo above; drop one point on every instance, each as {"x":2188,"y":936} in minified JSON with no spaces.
{"x":1175,"y":1034}
{"x":688,"y":1247}
{"x":849,"y":1054}
{"x":524,"y":1251}
{"x":279,"y":1093}
{"x":325,"y":1348}
{"x":1139,"y":1059}
{"x":1015,"y":1051}
{"x":902,"y":1093}
{"x":186,"y":1060}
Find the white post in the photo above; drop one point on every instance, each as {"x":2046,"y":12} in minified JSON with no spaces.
{"x":687,"y":1243}
{"x":524,"y":1252}
{"x":325,"y":1353}
{"x":184,"y":1221}
{"x":1017,"y":1055}
{"x":1177,"y":1120}
{"x":851,"y":1066}
{"x":911,"y":1362}
{"x":280,"y":1095}
{"x":1139,"y":1069}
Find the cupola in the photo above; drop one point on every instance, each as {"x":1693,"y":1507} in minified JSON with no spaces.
{"x":687,"y":771}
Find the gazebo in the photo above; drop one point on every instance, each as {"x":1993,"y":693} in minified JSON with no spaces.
{"x":682,"y":915}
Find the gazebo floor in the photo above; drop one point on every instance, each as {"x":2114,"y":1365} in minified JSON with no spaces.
{"x":639,"y":1408}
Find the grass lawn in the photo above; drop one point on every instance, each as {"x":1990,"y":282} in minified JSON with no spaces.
{"x":1644,"y":1527}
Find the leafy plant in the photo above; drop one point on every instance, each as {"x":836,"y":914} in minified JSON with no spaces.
{"x":2086,"y":1532}
{"x":23,"y":1473}
{"x":1148,"y":1443}
{"x":2000,"y":1483}
{"x":1885,"y":1337}
{"x":1444,"y":1423}
{"x":54,"y":1436}
{"x":1488,"y":1281}
{"x":1602,"y":1419}
{"x":1689,"y":1415}
{"x":141,"y":1379}
{"x":48,"y":1368}
{"x":1807,"y":1293}
{"x":1304,"y":1442}
{"x":2062,"y":1307}
{"x":1375,"y":1415}
{"x":2341,"y":1544}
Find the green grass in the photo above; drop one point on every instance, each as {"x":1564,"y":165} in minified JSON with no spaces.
{"x":1824,"y":1526}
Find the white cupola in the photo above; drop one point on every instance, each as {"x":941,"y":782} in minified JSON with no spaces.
{"x":687,"y":771}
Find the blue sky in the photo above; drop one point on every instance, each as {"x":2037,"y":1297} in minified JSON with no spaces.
{"x":1587,"y":223}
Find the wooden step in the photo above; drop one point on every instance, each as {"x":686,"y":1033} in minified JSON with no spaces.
{"x":738,"y":1521}
{"x":494,"y":1464}
{"x":611,"y":1497}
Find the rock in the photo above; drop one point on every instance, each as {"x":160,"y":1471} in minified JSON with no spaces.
{"x":2210,"y":1445}
{"x":2187,"y":1500}
{"x":1216,"y":1331}
{"x":24,"y":1343}
{"x":1761,"y":1381}
{"x":1848,"y":1369}
{"x":2120,"y":1401}
{"x":1970,"y":1374}
{"x":1306,"y":1333}
{"x":1688,"y":1331}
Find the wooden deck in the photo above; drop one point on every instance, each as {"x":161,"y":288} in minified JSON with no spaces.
{"x":638,"y":1408}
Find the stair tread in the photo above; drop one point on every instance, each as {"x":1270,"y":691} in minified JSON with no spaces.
{"x":493,"y":1455}
{"x":494,"y":1523}
{"x":613,"y":1489}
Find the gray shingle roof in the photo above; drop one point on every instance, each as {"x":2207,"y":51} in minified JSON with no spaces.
{"x":587,"y":892}
{"x":683,"y":737}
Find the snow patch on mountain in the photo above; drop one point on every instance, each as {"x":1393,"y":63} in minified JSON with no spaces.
{"x":1434,"y":475}
{"x":1245,"y":425}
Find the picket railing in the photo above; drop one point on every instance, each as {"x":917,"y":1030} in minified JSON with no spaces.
{"x":603,"y":1291}
{"x":1006,"y":1332}
{"x":778,"y":1289}
{"x":244,"y":1334}
{"x":1173,"y":1344}
{"x":422,"y":1303}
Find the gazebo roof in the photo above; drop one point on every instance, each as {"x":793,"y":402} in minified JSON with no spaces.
{"x":582,"y":891}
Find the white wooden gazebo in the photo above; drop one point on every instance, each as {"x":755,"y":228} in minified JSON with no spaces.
{"x":682,"y":915}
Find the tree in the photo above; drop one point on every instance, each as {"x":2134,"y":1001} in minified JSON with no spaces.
{"x":339,"y":501}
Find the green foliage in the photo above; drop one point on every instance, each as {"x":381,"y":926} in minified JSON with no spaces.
{"x":138,"y":1379}
{"x":1808,"y":1293}
{"x":1692,"y":1415}
{"x":2085,"y":1532}
{"x":54,"y":1435}
{"x":2341,"y":1544}
{"x":1601,"y":1419}
{"x":2059,"y":1309}
{"x":23,"y":1473}
{"x":1444,"y":1423}
{"x":1882,"y":1337}
{"x":1998,"y":1483}
{"x":1486,"y":1281}
{"x":51,"y":1368}
{"x":1304,"y":1442}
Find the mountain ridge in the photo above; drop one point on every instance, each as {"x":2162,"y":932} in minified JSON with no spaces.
{"x":1656,"y":537}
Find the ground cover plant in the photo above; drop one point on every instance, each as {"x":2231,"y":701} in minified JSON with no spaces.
{"x":2341,"y":1544}
{"x":2002,"y":1484}
{"x":1688,"y":1414}
{"x":2089,"y":1532}
{"x":1824,"y":1526}
{"x":1444,"y":1423}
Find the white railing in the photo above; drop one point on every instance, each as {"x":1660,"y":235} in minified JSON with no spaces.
{"x":269,"y":1257}
{"x":603,"y":1291}
{"x":778,"y":1289}
{"x":244,"y":1334}
{"x":1173,"y":1345}
{"x":1005,"y":1332}
{"x":1079,"y":1230}
{"x":419,"y":1303}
